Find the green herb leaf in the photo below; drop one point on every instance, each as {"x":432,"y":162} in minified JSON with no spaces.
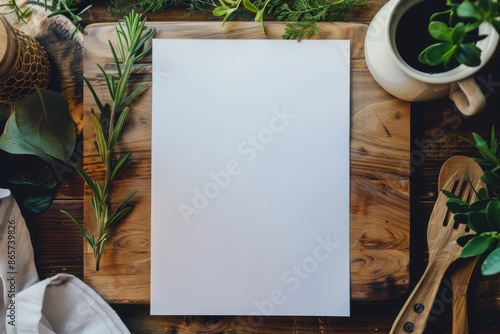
{"x":250,"y":6}
{"x":458,"y":33}
{"x":491,"y":265}
{"x":477,"y":245}
{"x":493,"y":214}
{"x":467,"y":10}
{"x":437,"y":53}
{"x":469,"y":54}
{"x":440,"y":31}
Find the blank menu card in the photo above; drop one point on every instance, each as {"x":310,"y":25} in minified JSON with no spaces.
{"x":250,"y":177}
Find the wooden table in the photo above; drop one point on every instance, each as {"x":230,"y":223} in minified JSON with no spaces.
{"x":436,"y":132}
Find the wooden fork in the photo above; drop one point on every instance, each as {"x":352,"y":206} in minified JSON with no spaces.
{"x":461,"y":274}
{"x":442,"y":233}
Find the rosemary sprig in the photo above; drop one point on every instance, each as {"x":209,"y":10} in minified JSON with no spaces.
{"x":108,"y":124}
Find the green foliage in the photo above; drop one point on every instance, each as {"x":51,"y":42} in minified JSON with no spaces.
{"x":57,"y":7}
{"x":108,"y":124}
{"x":227,"y":9}
{"x":301,"y":30}
{"x":125,"y":6}
{"x":455,"y":31}
{"x":301,"y":15}
{"x":38,"y":135}
{"x":482,"y":216}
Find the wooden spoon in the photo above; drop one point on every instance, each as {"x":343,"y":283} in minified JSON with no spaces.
{"x":461,"y":275}
{"x":442,"y":233}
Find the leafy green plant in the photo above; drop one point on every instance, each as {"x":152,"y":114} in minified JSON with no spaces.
{"x":482,"y":216}
{"x":227,"y":8}
{"x":108,"y":125}
{"x":38,"y":134}
{"x":455,"y":31}
{"x":301,"y":15}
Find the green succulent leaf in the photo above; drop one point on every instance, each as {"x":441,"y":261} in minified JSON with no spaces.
{"x":469,"y":54}
{"x":478,"y":222}
{"x":220,"y":11}
{"x":457,"y":205}
{"x":250,"y":6}
{"x":468,"y":10}
{"x":458,"y":33}
{"x":493,"y":214}
{"x":491,"y":265}
{"x":482,"y":194}
{"x":480,"y":204}
{"x":491,"y":178}
{"x":440,"y":31}
{"x":437,"y":53}
{"x":477,"y":245}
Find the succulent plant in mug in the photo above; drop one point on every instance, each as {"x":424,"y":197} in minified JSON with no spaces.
{"x":455,"y":32}
{"x":483,"y":215}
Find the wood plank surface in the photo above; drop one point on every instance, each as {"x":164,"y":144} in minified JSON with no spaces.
{"x":379,"y":169}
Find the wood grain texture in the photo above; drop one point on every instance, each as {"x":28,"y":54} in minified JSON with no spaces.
{"x":379,"y":169}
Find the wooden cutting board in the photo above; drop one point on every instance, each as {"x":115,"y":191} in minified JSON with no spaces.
{"x":380,"y":170}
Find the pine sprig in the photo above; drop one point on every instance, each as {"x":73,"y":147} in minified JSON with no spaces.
{"x":108,"y":124}
{"x":301,"y":30}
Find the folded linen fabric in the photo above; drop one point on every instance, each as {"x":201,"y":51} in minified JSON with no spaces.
{"x":59,"y":304}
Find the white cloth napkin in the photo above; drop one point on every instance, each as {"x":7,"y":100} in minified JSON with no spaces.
{"x":59,"y":304}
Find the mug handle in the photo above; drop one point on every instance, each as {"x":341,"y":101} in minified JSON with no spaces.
{"x":467,"y":96}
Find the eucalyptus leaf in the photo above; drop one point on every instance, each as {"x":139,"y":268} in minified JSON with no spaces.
{"x":12,"y":141}
{"x":44,"y":121}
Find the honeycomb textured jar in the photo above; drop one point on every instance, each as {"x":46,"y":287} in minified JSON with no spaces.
{"x":24,"y":64}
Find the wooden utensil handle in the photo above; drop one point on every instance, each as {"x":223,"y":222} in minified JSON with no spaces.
{"x":459,"y":282}
{"x":413,"y":316}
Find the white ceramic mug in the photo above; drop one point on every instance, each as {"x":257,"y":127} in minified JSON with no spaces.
{"x":404,"y":82}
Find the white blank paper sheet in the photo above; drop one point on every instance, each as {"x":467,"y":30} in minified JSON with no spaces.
{"x":250,"y":178}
